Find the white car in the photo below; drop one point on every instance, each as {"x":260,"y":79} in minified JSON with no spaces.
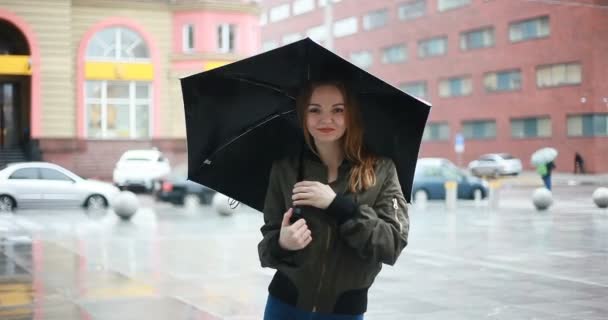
{"x":495,"y":164}
{"x":141,"y":168}
{"x":43,"y":184}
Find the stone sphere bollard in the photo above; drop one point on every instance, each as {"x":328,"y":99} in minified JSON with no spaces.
{"x":125,"y":205}
{"x":600,"y":197}
{"x":542,"y":198}
{"x":221,"y":204}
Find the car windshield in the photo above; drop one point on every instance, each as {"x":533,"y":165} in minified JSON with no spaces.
{"x":506,"y":156}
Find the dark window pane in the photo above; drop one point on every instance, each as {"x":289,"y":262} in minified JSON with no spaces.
{"x":26,"y":173}
{"x":52,"y":174}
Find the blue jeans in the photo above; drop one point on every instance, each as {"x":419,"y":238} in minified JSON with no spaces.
{"x":278,"y":310}
{"x":547,"y":181}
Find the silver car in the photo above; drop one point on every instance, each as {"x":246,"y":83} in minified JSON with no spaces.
{"x":495,"y":164}
{"x":42,"y":184}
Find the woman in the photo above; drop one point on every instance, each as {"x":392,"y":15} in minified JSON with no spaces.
{"x":354,"y":215}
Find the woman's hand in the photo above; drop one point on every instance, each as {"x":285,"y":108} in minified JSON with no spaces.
{"x":312,"y":193}
{"x":296,"y":236}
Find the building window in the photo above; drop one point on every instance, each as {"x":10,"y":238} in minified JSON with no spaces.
{"x":188,"y":38}
{"x":318,"y":33}
{"x":292,"y":37}
{"x":269,"y":45}
{"x":117,"y":44}
{"x":375,"y":19}
{"x":363,"y":59}
{"x":529,"y":29}
{"x":479,"y":129}
{"x":432,"y":47}
{"x":559,"y":75}
{"x":443,"y":5}
{"x":263,"y":18}
{"x":531,"y":127}
{"x":279,"y":13}
{"x":303,"y":6}
{"x":394,"y":54}
{"x":118,"y":109}
{"x":455,"y":87}
{"x":226,"y":37}
{"x":476,"y":39}
{"x":439,"y":131}
{"x":323,"y":3}
{"x":412,"y":9}
{"x":588,"y":125}
{"x":417,"y":89}
{"x":345,"y":27}
{"x":502,"y":81}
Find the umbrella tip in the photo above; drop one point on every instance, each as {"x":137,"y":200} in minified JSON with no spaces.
{"x":207,"y":161}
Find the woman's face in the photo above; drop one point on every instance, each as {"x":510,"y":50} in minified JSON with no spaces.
{"x":325,"y":119}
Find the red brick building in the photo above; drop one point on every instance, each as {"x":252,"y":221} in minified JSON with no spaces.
{"x":510,"y":76}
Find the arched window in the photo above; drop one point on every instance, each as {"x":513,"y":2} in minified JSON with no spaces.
{"x":118,"y":90}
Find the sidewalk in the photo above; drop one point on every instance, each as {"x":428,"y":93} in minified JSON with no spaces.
{"x":532,"y":179}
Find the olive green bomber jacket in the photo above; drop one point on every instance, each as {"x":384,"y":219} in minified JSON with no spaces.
{"x":351,"y":238}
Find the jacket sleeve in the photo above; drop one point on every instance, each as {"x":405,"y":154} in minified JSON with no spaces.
{"x":379,"y":232}
{"x":270,"y":252}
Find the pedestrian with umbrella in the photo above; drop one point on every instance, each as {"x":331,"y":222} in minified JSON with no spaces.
{"x":327,"y":152}
{"x":543,"y":159}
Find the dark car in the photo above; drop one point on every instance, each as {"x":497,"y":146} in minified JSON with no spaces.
{"x":432,"y":174}
{"x":176,"y":188}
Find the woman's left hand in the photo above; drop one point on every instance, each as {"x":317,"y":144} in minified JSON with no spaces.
{"x":312,"y":193}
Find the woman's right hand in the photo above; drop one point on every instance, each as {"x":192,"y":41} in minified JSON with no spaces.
{"x":295,"y":236}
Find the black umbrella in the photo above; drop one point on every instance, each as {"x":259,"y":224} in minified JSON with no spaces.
{"x":241,"y":117}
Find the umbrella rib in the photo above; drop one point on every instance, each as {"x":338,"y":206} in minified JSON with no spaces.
{"x":259,"y":124}
{"x":265,"y":85}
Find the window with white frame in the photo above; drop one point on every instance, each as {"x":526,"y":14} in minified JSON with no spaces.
{"x":443,"y":5}
{"x":394,"y":54}
{"x":118,"y":109}
{"x":412,"y":9}
{"x":117,"y":44}
{"x":455,"y":87}
{"x":280,"y":12}
{"x":559,"y":75}
{"x":303,"y":6}
{"x":188,"y":38}
{"x":418,"y":89}
{"x":432,"y":47}
{"x":588,"y":125}
{"x":477,"y":39}
{"x":323,"y":3}
{"x":436,"y":131}
{"x":263,"y":18}
{"x":363,"y":59}
{"x":531,"y":127}
{"x":479,"y":129}
{"x":345,"y":27}
{"x":375,"y":19}
{"x":529,"y":29}
{"x":318,"y":33}
{"x":292,"y":37}
{"x":226,"y":37}
{"x":507,"y":80}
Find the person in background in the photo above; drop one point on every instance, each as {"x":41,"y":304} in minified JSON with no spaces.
{"x":579,"y":163}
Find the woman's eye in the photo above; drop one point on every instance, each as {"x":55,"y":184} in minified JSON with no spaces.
{"x":338,"y":110}
{"x":314,"y":110}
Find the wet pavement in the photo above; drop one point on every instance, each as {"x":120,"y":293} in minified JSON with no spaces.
{"x":191,"y":263}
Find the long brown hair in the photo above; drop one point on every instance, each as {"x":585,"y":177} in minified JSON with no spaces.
{"x":362,"y":174}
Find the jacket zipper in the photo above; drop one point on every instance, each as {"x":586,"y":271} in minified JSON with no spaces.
{"x":314,"y":308}
{"x":396,"y":207}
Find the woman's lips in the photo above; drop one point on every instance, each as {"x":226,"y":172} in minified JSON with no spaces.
{"x":326,"y":130}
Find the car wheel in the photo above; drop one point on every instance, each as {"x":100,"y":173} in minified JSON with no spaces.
{"x":421,"y":195}
{"x":7,"y":203}
{"x":96,"y":202}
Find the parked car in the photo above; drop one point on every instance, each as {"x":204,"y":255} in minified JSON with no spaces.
{"x":432,"y":173}
{"x":176,"y":188}
{"x":141,"y":169}
{"x":495,"y":164}
{"x":43,"y":184}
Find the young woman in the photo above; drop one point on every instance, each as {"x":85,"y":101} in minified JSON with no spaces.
{"x":353,"y":214}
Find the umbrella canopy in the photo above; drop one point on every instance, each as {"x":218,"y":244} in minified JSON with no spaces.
{"x":241,"y":117}
{"x":543,"y":156}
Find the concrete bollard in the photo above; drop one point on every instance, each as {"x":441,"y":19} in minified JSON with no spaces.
{"x":125,"y":205}
{"x":542,"y":199}
{"x":221,"y":204}
{"x":421,"y":199}
{"x":494,"y":194}
{"x":477,"y":198}
{"x":451,"y":194}
{"x":600,"y":197}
